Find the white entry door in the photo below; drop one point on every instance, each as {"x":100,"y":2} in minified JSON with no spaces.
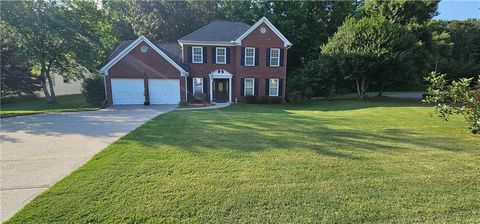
{"x":128,"y":91}
{"x":164,"y":91}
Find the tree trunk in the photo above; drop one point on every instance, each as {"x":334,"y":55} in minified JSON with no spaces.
{"x":363,"y":87}
{"x":43,"y":80}
{"x":52,"y":98}
{"x":381,"y":88}
{"x":358,"y":88}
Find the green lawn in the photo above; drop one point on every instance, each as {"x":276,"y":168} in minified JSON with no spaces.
{"x":327,"y":162}
{"x":64,"y":104}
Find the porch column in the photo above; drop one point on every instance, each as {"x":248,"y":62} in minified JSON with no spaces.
{"x":211,"y":90}
{"x":230,"y":90}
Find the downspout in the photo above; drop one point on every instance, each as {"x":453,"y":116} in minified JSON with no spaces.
{"x":105,"y":86}
{"x":186,"y":87}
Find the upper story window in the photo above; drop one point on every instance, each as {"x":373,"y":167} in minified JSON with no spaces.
{"x":274,"y":57}
{"x":197,"y":54}
{"x":221,"y":57}
{"x":197,"y":85}
{"x":249,"y":87}
{"x":273,"y":87}
{"x":249,"y":56}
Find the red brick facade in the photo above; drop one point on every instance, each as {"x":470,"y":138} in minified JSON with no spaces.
{"x":138,"y":65}
{"x":152,"y":65}
{"x":261,"y":71}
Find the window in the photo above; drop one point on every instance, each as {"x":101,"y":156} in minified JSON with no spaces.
{"x":274,"y":57}
{"x":197,"y":85}
{"x":221,"y":55}
{"x":249,"y":87}
{"x":197,"y":54}
{"x":249,"y":56}
{"x":273,"y":91}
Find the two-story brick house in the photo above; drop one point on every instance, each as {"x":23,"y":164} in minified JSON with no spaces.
{"x":222,"y":62}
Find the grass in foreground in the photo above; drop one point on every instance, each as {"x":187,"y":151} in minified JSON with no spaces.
{"x":64,"y":104}
{"x":328,"y":162}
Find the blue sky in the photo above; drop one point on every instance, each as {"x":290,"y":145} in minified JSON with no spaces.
{"x":458,"y":9}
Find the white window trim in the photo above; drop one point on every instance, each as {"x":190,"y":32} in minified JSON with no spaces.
{"x":245,"y":87}
{"x":245,"y":56}
{"x":193,"y":55}
{"x":270,"y":88}
{"x":193,"y":85}
{"x":278,"y":57}
{"x":224,"y":56}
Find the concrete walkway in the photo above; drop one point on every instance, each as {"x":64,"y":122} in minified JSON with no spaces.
{"x":405,"y":95}
{"x":216,"y":106}
{"x":38,"y":150}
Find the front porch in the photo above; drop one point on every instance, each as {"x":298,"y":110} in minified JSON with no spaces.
{"x":220,"y":86}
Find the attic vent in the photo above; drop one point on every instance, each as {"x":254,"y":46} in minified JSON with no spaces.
{"x":263,"y":30}
{"x":144,"y":49}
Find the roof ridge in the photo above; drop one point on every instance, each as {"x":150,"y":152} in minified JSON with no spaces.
{"x":198,"y":30}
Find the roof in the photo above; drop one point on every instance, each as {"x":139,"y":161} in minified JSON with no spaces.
{"x":169,"y":51}
{"x":172,"y":50}
{"x":219,"y":30}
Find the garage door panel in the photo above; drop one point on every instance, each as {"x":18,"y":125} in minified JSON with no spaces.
{"x":127,"y":91}
{"x":164,"y":91}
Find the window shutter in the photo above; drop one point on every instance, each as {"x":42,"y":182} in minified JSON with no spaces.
{"x":268,"y":56}
{"x":242,"y":57}
{"x":280,"y":87}
{"x":214,"y":55}
{"x":205,"y":89}
{"x":204,"y":54}
{"x":255,"y":88}
{"x":189,"y":54}
{"x":281,"y":57}
{"x":256,"y":56}
{"x":228,"y":55}
{"x":242,"y":87}
{"x":267,"y":87}
{"x":190,"y":86}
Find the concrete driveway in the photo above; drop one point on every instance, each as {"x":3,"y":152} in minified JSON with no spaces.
{"x":38,"y":150}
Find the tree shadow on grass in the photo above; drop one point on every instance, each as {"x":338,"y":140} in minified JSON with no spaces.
{"x":242,"y":130}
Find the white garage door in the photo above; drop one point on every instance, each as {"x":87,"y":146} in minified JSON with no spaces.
{"x":164,"y":91}
{"x":127,"y":91}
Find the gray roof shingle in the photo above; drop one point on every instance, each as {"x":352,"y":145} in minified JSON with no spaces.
{"x":219,"y":30}
{"x":172,"y":50}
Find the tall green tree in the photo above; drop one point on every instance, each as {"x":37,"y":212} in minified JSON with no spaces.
{"x":16,"y":72}
{"x":371,"y":48}
{"x":455,"y":49}
{"x":307,"y":24}
{"x":413,"y":15}
{"x":170,"y":20}
{"x":58,"y":37}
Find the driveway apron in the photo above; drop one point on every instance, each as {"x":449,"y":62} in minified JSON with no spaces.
{"x":38,"y":150}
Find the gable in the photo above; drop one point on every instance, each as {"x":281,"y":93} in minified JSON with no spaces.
{"x":137,"y":64}
{"x":264,"y":22}
{"x":257,"y":38}
{"x":141,"y":40}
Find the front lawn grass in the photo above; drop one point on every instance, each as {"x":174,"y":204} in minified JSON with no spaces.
{"x":67,"y":103}
{"x":324,"y":162}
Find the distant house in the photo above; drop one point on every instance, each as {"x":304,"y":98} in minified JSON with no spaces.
{"x":64,"y":86}
{"x":220,"y":62}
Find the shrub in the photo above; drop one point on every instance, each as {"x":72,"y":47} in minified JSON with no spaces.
{"x":454,"y":97}
{"x":251,"y":99}
{"x":93,"y":89}
{"x":275,"y":99}
{"x":263,"y":100}
{"x":18,"y":99}
{"x":294,"y":96}
{"x":183,"y":103}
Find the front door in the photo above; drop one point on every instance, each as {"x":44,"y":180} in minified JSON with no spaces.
{"x":221,"y":90}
